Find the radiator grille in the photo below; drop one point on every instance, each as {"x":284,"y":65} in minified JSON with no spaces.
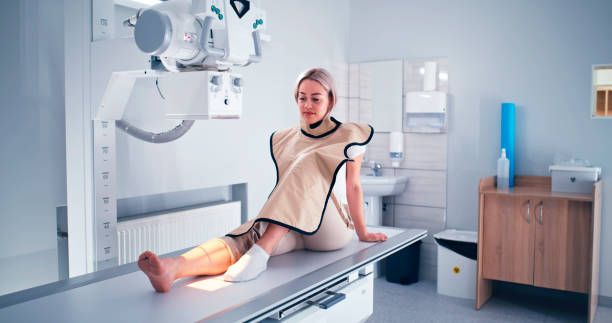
{"x":176,"y":230}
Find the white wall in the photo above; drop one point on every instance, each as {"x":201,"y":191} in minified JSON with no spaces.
{"x":32,"y":167}
{"x":537,"y":54}
{"x":304,"y":34}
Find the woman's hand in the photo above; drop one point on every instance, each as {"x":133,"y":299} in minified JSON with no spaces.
{"x":372,"y":237}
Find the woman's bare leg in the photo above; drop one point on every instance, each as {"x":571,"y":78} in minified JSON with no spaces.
{"x":210,"y":258}
{"x":273,"y":234}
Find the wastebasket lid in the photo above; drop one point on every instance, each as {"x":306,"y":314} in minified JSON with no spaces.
{"x":457,"y":235}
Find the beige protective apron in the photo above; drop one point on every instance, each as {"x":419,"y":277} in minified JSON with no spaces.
{"x":307,"y":159}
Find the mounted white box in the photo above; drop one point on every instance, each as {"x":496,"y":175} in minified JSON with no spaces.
{"x":202,"y":95}
{"x":425,"y":111}
{"x":187,"y":95}
{"x":573,"y":179}
{"x":118,"y":91}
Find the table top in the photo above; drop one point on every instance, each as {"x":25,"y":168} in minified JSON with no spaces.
{"x":130,"y":297}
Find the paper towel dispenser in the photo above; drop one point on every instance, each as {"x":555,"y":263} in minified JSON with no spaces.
{"x":425,"y":111}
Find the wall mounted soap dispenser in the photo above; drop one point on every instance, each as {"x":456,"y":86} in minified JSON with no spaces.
{"x":396,"y":148}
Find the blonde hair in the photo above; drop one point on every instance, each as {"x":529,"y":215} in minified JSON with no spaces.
{"x":323,"y":77}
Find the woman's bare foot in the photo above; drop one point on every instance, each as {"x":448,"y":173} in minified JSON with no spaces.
{"x":161,"y":272}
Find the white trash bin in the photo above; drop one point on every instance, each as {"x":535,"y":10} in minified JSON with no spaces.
{"x":457,"y":251}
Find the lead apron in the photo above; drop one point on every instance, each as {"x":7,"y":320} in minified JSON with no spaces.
{"x":307,"y":159}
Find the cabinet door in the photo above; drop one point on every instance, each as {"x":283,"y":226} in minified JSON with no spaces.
{"x":563,"y":245}
{"x":508,"y":234}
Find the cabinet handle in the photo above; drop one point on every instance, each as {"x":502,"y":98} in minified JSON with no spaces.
{"x":528,"y":211}
{"x":541,"y":213}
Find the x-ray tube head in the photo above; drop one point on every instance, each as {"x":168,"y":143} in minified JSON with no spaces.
{"x":202,"y":34}
{"x":168,"y":30}
{"x":153,"y":32}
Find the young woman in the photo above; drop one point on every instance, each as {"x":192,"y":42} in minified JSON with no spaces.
{"x":317,"y":202}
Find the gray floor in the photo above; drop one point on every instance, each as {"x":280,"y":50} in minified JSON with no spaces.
{"x":420,"y":302}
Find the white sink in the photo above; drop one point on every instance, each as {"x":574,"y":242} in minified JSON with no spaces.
{"x":374,"y":188}
{"x":383,"y":185}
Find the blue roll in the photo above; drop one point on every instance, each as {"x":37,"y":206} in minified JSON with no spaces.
{"x":507,"y":135}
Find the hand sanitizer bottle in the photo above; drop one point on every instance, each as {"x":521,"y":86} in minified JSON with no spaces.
{"x":503,"y":170}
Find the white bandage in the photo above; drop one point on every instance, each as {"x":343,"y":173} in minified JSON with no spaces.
{"x":249,"y":266}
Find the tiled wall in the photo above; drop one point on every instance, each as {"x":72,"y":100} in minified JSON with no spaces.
{"x":423,"y":203}
{"x":340,"y":73}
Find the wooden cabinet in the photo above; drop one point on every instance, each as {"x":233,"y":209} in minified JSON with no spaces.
{"x":532,"y":236}
{"x":508,"y":253}
{"x":562,"y":245}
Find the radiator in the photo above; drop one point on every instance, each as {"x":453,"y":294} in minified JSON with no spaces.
{"x":175,"y":230}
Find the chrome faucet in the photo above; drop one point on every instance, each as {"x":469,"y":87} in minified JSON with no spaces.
{"x":376,"y":168}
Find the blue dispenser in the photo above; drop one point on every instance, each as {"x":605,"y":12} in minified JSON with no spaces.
{"x":507,"y":135}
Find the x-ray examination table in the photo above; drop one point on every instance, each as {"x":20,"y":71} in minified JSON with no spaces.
{"x":291,"y":279}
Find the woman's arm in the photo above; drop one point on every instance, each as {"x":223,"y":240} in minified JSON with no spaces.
{"x":354,"y":196}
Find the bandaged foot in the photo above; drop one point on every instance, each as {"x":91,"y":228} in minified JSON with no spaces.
{"x":249,"y":266}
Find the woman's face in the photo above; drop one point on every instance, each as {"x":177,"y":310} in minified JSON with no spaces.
{"x":312,"y":100}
